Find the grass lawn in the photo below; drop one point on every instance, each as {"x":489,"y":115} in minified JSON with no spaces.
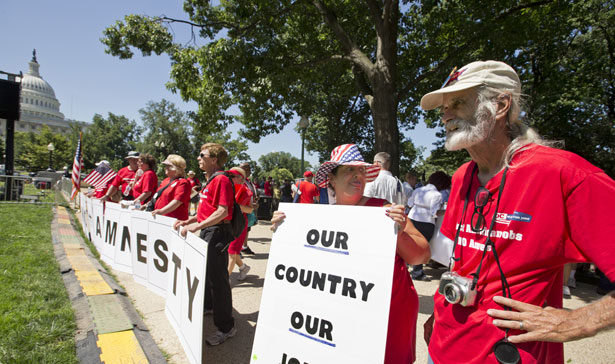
{"x":37,"y":324}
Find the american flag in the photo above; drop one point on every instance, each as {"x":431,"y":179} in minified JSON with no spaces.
{"x":100,"y":177}
{"x":77,"y":166}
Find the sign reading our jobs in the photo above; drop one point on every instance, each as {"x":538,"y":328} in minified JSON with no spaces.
{"x":328,"y":286}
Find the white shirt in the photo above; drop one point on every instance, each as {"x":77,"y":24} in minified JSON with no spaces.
{"x":407,"y":189}
{"x":386,"y":187}
{"x":425,"y":203}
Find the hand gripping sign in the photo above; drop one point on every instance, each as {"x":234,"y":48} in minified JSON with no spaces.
{"x":328,"y":286}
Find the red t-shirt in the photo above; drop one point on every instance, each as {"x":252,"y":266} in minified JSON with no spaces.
{"x":218,"y":192}
{"x":403,"y":312}
{"x":147,"y":183}
{"x":100,"y":192}
{"x":243,"y":195}
{"x":178,"y":190}
{"x":194,"y":182}
{"x":555,"y":208}
{"x":124,"y":177}
{"x":308,"y":192}
{"x":268,"y":189}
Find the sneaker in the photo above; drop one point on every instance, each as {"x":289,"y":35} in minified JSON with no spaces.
{"x":566,"y":292}
{"x":572,"y":283}
{"x":219,"y":337}
{"x":208,"y":312}
{"x":422,"y":277}
{"x":247,"y":250}
{"x":243,"y":272}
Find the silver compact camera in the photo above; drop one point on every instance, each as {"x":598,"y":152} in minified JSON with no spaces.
{"x":457,"y":289}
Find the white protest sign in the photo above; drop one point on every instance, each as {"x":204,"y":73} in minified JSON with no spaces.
{"x":186,"y":292}
{"x":98,"y":225}
{"x":118,"y":223}
{"x":139,"y":238}
{"x":160,"y":230}
{"x":328,"y":286}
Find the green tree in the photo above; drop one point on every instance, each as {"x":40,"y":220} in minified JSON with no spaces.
{"x":276,"y":160}
{"x":31,"y":151}
{"x":111,"y":139}
{"x":280,"y":175}
{"x":168,"y":131}
{"x":270,"y":57}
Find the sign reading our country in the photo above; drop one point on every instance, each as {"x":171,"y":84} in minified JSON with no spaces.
{"x":328,"y":286}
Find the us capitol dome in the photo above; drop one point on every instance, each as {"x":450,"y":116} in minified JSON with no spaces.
{"x":38,"y":104}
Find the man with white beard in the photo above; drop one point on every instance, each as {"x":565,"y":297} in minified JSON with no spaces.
{"x":517,"y":213}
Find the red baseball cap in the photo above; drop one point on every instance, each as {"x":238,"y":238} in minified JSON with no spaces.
{"x":308,"y":174}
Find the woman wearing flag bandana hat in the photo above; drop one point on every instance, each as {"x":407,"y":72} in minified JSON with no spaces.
{"x":345,"y":176}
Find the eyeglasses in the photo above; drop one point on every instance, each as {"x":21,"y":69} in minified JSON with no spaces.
{"x":480,"y":201}
{"x":202,"y":155}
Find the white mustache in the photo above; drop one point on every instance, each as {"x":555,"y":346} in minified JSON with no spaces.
{"x":458,"y":124}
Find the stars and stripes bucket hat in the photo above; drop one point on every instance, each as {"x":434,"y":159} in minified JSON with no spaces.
{"x":346,"y":155}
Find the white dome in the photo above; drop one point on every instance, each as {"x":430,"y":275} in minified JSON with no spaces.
{"x":37,"y":96}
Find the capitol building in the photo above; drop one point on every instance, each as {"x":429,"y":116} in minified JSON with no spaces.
{"x":38,"y":105}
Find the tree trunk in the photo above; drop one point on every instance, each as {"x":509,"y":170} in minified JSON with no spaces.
{"x":384,"y":114}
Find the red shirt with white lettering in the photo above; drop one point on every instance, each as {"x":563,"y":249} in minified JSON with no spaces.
{"x":124,"y":177}
{"x":555,"y":208}
{"x":218,"y":192}
{"x":308,"y":192}
{"x":179,"y":190}
{"x":147,"y":183}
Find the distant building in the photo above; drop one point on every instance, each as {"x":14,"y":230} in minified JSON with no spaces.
{"x":39,"y":105}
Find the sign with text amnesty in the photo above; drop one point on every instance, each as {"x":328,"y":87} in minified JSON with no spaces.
{"x":158,"y":258}
{"x":328,"y":286}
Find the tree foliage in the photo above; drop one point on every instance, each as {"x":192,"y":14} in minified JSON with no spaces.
{"x":31,"y":151}
{"x":111,"y":139}
{"x":280,"y":160}
{"x":275,"y":59}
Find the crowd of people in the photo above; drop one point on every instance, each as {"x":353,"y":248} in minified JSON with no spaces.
{"x":516,"y":214}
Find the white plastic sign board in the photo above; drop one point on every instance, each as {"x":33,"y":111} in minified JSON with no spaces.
{"x":328,"y":286}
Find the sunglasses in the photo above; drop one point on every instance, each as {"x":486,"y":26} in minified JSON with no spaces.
{"x":480,"y":201}
{"x":202,"y":155}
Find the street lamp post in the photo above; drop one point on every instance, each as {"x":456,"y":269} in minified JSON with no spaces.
{"x":302,"y":125}
{"x":50,"y":148}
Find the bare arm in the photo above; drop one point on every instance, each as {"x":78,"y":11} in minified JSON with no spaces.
{"x":552,"y":324}
{"x":170,"y":207}
{"x":411,"y":244}
{"x":109,"y":193}
{"x":213,"y":219}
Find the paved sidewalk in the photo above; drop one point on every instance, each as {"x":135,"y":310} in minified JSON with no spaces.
{"x":108,"y":328}
{"x":246,"y":302}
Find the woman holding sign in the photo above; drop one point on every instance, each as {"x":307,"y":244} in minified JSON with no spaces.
{"x":345,"y":175}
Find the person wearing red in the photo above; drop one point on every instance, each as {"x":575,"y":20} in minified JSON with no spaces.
{"x":124,"y":179}
{"x":243,"y":197}
{"x":102,"y":189}
{"x":517,"y":213}
{"x":213,"y":218}
{"x":308,"y":192}
{"x":195,"y":186}
{"x":147,"y":184}
{"x":345,"y":175}
{"x":268,"y":186}
{"x":173,"y":196}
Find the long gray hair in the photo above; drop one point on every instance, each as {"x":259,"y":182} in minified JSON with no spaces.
{"x":520,"y":133}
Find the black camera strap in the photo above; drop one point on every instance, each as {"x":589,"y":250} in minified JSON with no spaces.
{"x":505,"y":351}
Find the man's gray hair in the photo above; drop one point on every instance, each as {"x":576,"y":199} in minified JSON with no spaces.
{"x":384,"y":158}
{"x":519,"y":132}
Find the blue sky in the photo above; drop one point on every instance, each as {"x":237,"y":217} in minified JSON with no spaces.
{"x":88,"y":81}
